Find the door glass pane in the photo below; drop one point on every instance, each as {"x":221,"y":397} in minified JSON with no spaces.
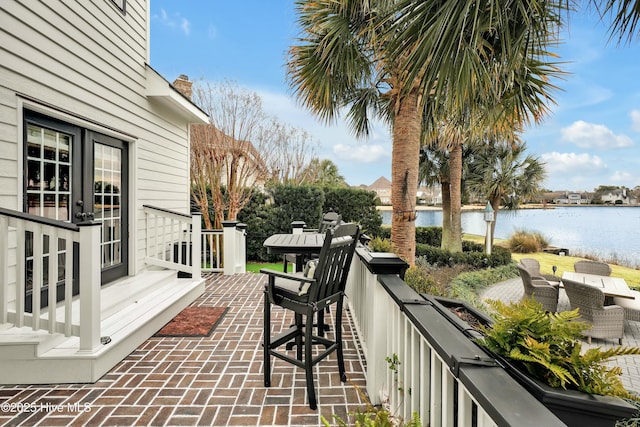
{"x":108,"y":172}
{"x":48,"y":173}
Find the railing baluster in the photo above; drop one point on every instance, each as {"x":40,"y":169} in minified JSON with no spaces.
{"x":20,"y":272}
{"x":36,"y":278}
{"x":53,"y":278}
{"x":68,"y":282}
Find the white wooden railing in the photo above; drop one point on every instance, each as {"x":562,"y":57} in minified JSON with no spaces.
{"x":172,"y":239}
{"x":54,"y":244}
{"x":212,"y":251}
{"x":419,"y":362}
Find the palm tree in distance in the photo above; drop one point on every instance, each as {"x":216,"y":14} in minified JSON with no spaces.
{"x":502,"y":174}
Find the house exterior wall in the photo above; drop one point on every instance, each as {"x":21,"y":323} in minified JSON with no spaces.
{"x":85,"y":63}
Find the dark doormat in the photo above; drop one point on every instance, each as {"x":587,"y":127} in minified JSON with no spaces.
{"x":193,"y":322}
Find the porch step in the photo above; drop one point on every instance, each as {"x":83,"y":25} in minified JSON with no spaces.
{"x":132,"y":311}
{"x":25,"y":342}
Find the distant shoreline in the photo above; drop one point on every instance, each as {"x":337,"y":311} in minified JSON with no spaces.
{"x":527,"y":206}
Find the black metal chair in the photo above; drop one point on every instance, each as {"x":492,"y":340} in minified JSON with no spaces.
{"x":308,"y":297}
{"x":329,"y":221}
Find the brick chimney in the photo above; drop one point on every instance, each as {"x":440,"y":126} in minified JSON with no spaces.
{"x":183,"y":85}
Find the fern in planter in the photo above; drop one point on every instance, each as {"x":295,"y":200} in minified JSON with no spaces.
{"x":547,"y":345}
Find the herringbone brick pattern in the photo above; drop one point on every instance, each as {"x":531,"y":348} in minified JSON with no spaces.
{"x":215,"y":380}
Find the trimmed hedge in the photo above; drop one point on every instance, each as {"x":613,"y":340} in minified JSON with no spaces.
{"x":274,"y":210}
{"x":431,"y":235}
{"x":472,"y":254}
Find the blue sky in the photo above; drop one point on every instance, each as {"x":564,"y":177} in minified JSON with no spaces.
{"x":591,"y":137}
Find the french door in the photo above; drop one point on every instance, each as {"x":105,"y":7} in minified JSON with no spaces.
{"x":75,"y":175}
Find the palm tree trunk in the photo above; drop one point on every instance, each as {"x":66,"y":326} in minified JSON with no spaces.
{"x":404,"y":176}
{"x":446,"y":214}
{"x":455,"y":167}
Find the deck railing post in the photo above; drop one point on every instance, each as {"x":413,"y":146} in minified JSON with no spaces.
{"x":297,"y":227}
{"x":229,"y":247}
{"x":196,"y":245}
{"x":90,"y":268}
{"x":241,"y":264}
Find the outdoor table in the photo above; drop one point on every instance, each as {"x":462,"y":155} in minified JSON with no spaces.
{"x":300,"y":244}
{"x":611,"y":286}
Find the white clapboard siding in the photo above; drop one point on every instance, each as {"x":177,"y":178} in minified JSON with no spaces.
{"x":85,"y":63}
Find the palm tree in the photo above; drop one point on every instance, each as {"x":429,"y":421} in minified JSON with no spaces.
{"x":495,"y":51}
{"x":341,"y":61}
{"x":393,"y":58}
{"x":501,"y":173}
{"x":323,"y":172}
{"x":487,"y":70}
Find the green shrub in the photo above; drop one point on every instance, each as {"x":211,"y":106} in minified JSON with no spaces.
{"x":355,"y":205}
{"x":378,"y":244}
{"x":468,"y":286}
{"x":547,"y":346}
{"x":429,"y":235}
{"x":472,"y":255}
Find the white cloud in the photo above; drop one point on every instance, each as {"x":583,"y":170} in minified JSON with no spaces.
{"x":363,"y":153}
{"x":572,"y":163}
{"x":635,"y":120}
{"x":623,"y":177}
{"x":185,"y":26}
{"x":176,"y":21}
{"x":593,"y":136}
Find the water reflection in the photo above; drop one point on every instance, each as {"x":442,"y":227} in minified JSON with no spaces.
{"x":608,"y":232}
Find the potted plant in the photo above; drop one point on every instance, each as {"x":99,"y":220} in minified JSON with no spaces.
{"x":543,"y":352}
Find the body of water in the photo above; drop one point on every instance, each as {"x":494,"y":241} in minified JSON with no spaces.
{"x":604,"y":231}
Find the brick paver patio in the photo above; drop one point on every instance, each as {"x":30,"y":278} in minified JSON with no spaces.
{"x":215,"y":380}
{"x":218,"y":381}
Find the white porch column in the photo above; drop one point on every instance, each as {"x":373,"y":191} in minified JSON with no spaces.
{"x":229,"y":246}
{"x":90,"y":268}
{"x":196,"y":245}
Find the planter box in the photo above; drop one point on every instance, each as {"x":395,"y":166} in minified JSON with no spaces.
{"x":573,"y":407}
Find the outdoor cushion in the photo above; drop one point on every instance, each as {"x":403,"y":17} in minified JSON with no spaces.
{"x":309,"y":271}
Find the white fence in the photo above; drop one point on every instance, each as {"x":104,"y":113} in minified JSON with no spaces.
{"x":419,"y":362}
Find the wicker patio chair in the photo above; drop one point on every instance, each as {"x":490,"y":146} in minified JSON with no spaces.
{"x":539,"y":289}
{"x":592,"y":267}
{"x":307,"y":295}
{"x":607,"y":321}
{"x":533,"y":267}
{"x":631,"y":307}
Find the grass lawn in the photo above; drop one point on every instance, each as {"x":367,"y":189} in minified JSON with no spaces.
{"x":565,"y":263}
{"x":546,"y":260}
{"x":255,"y":267}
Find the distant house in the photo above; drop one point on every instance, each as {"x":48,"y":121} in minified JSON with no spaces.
{"x":619,"y":196}
{"x":570,"y":198}
{"x":382,"y":188}
{"x":430,"y":195}
{"x":425,"y":195}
